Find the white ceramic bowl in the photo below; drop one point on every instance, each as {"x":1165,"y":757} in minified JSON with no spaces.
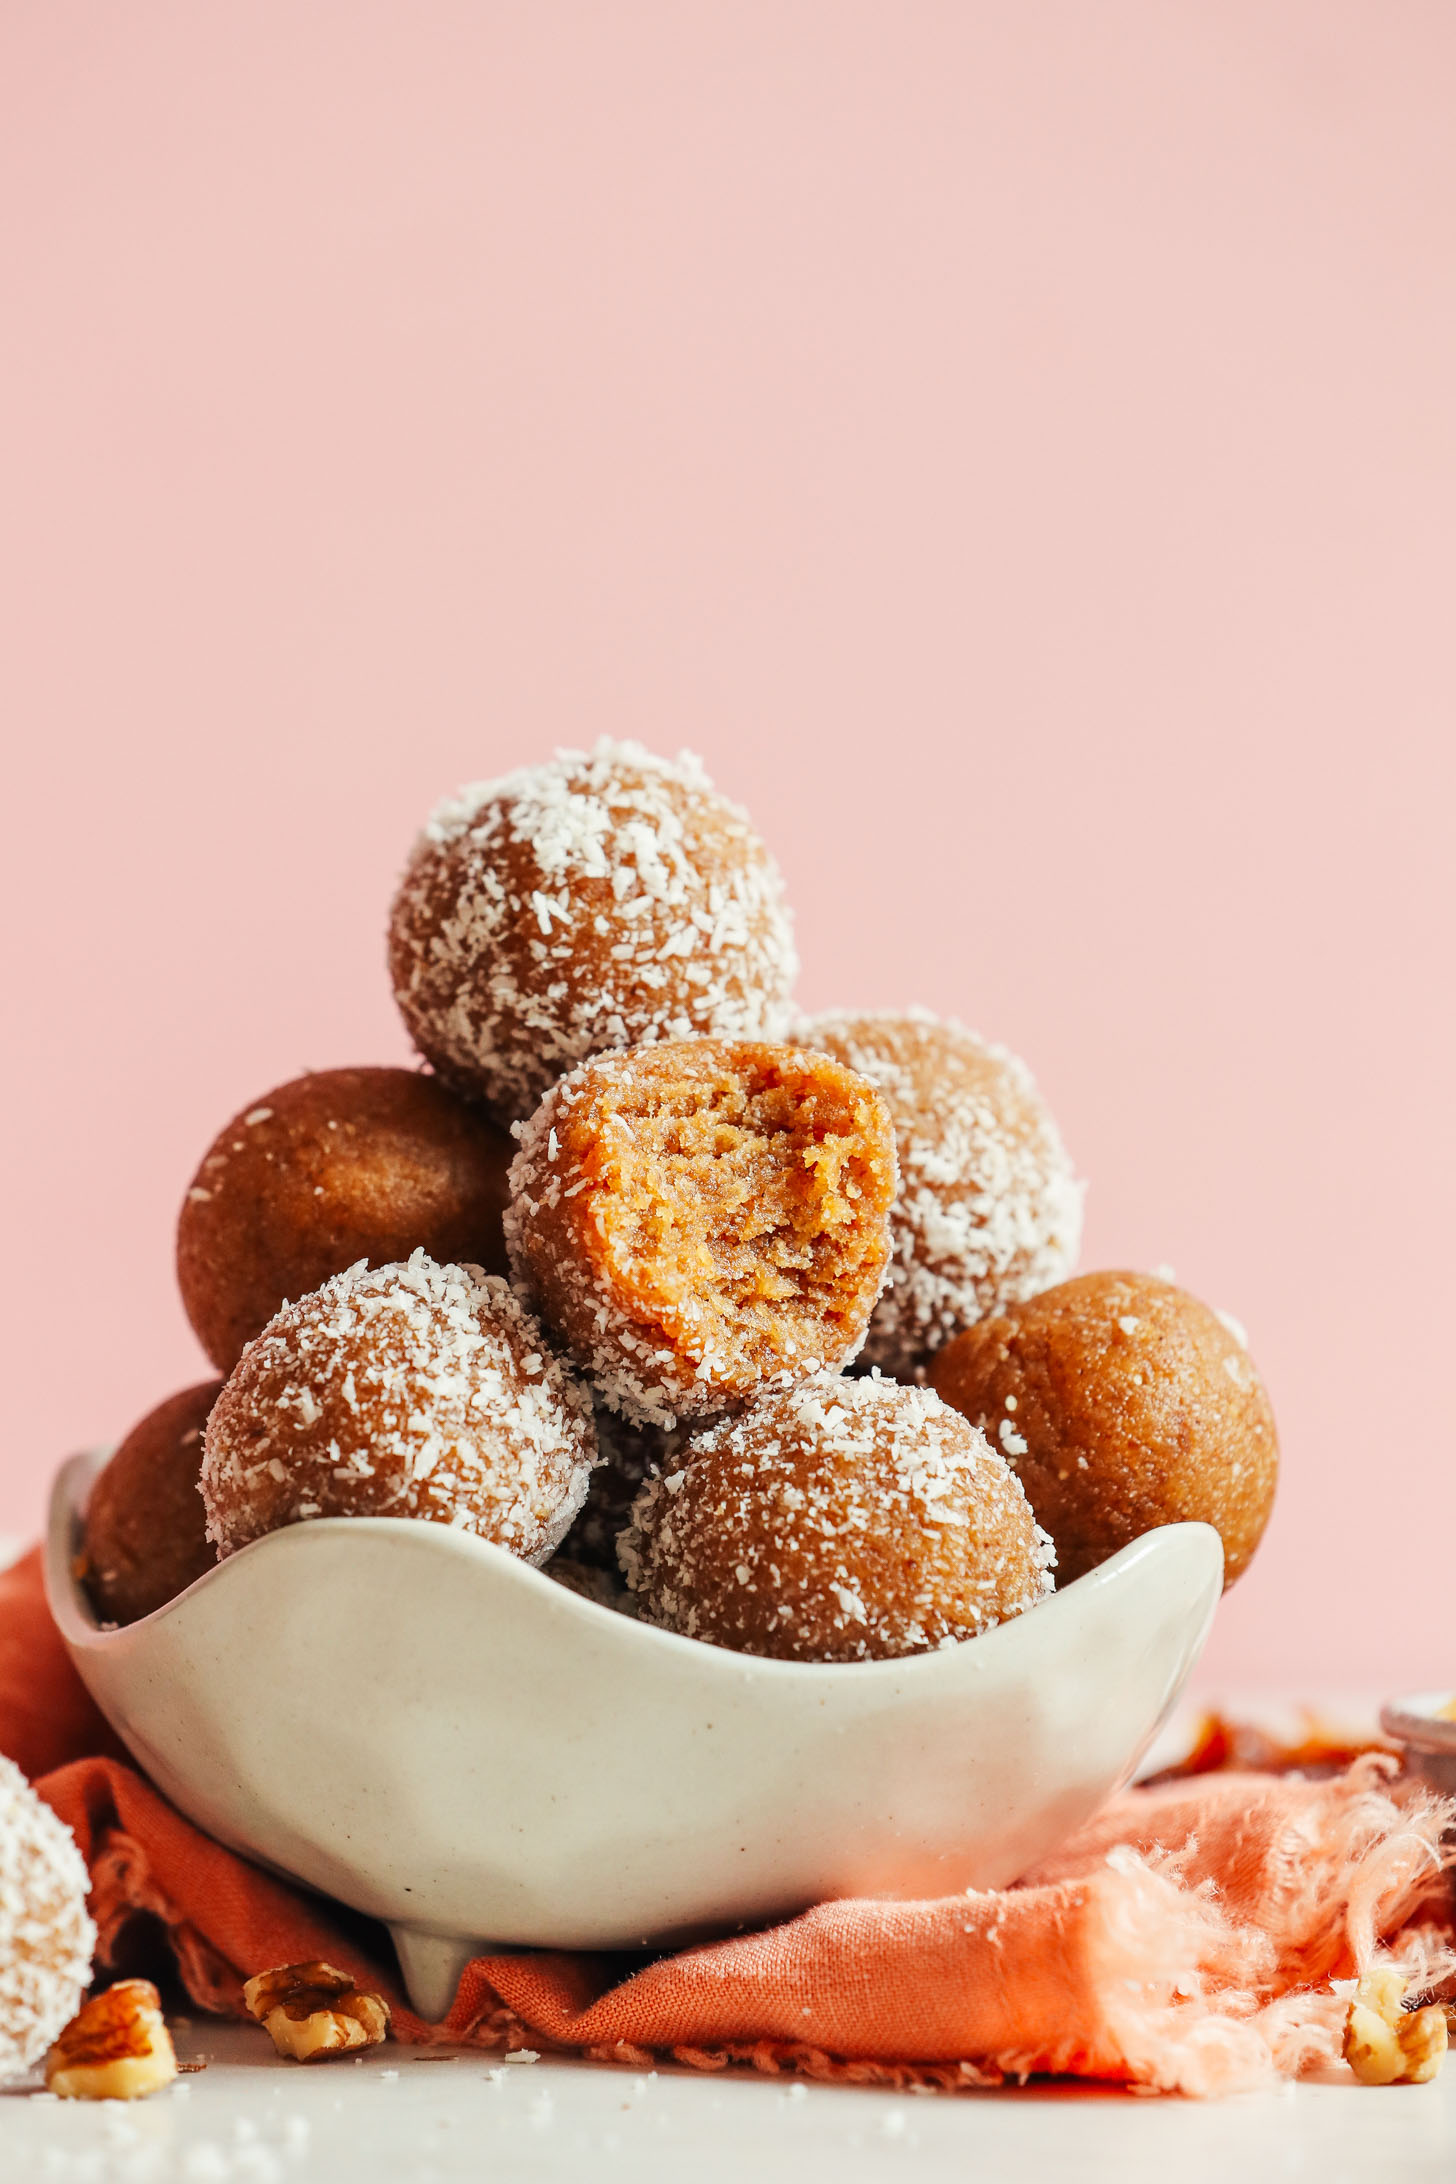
{"x":432,"y":1731}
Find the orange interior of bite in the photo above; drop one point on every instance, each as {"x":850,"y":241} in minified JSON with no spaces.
{"x":742,"y":1205}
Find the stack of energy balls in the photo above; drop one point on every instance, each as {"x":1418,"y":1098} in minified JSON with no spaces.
{"x":755,"y":1325}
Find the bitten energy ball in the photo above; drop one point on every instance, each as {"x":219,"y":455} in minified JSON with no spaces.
{"x":842,"y":1520}
{"x":401,"y":1391}
{"x":146,"y":1530}
{"x":341,"y":1165}
{"x":698,"y":1218}
{"x":1123,"y":1403}
{"x":990,"y":1209}
{"x":46,"y":1934}
{"x":603,"y":899}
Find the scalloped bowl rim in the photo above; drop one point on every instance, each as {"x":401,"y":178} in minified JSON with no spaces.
{"x":81,"y":1627}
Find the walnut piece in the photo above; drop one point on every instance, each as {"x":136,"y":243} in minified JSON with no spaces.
{"x":313,"y":2011}
{"x":116,"y":2048}
{"x":1388,"y":2045}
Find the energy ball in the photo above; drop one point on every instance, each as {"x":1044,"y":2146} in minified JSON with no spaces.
{"x":842,"y":1520}
{"x":1123,"y":1403}
{"x":401,"y":1391}
{"x":600,"y":900}
{"x":46,"y":1934}
{"x":700,"y":1217}
{"x":340,"y":1165}
{"x":146,"y":1529}
{"x":990,"y":1208}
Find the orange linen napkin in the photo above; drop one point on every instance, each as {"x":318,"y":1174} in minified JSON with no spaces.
{"x":1183,"y":1941}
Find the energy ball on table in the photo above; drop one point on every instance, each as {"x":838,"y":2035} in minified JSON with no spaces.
{"x":990,"y":1208}
{"x":341,"y":1165}
{"x":600,"y":900}
{"x":1123,"y":1403}
{"x":146,"y":1530}
{"x":401,"y":1391}
{"x":842,"y":1520}
{"x":700,"y":1217}
{"x":46,"y":1934}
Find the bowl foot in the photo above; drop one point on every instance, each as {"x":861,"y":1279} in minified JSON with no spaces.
{"x":430,"y":1965}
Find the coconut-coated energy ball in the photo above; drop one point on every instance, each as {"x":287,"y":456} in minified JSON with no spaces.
{"x":145,"y":1537}
{"x":842,"y":1520}
{"x":340,"y":1165}
{"x":401,"y":1391}
{"x":46,"y":1934}
{"x":990,"y":1208}
{"x":698,"y":1218}
{"x":605,"y":898}
{"x":1123,"y":1403}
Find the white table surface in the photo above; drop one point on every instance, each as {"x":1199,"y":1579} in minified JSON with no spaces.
{"x":251,"y":2118}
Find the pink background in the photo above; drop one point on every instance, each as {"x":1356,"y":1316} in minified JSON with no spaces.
{"x":1013,"y":444}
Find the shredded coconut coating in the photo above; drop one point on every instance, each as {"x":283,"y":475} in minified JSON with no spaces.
{"x":600,"y":900}
{"x":842,"y":1520}
{"x":990,"y":1207}
{"x":699,"y":1219}
{"x":46,"y":1934}
{"x":401,"y":1391}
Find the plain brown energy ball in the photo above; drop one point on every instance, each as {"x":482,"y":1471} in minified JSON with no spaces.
{"x":338,"y":1166}
{"x":699,"y":1217}
{"x":1123,"y":1403}
{"x":600,"y":900}
{"x":990,"y":1208}
{"x":146,"y":1537}
{"x":401,"y":1391}
{"x":842,"y":1520}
